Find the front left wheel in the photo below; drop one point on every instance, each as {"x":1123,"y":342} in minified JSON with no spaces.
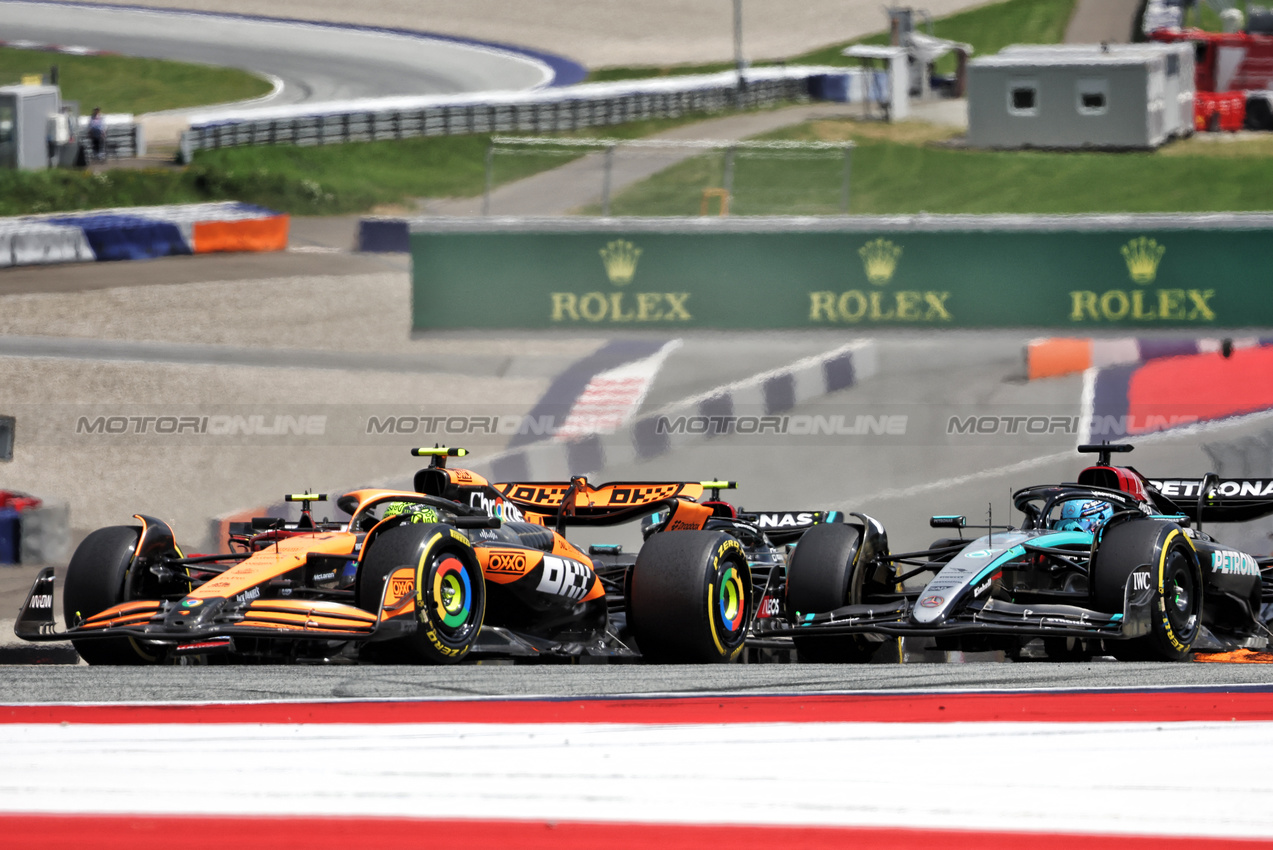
{"x":98,"y":578}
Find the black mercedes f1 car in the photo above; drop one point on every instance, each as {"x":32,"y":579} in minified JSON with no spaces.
{"x":1114,"y":563}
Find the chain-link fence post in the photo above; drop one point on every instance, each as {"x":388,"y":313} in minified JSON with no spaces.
{"x":727,"y":183}
{"x":490,"y":177}
{"x":844,"y":186}
{"x":605,"y":181}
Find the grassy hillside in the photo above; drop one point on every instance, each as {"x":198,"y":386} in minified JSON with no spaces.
{"x":127,"y":84}
{"x":912,"y":168}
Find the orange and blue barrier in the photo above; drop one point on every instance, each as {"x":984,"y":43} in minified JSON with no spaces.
{"x":1056,"y":356}
{"x":141,"y":233}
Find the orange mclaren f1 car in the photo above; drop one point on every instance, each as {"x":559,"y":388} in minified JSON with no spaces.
{"x":457,"y":568}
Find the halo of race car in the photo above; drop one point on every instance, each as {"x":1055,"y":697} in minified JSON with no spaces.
{"x":460,"y":568}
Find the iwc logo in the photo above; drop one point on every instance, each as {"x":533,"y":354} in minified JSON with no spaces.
{"x":879,"y":260}
{"x":1142,"y":256}
{"x":620,"y":259}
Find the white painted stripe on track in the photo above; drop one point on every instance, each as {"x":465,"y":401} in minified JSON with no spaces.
{"x":1115,"y":778}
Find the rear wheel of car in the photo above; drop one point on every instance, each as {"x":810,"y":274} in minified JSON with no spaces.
{"x":96,"y":579}
{"x":1160,"y":549}
{"x":825,"y":573}
{"x":690,"y":598}
{"x":450,"y":596}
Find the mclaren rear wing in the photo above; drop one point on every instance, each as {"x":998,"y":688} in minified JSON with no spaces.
{"x":579,"y":503}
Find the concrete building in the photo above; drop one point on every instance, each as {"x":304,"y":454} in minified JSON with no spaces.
{"x":1081,"y":96}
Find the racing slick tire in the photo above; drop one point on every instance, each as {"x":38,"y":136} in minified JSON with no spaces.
{"x":690,"y":598}
{"x":96,"y":579}
{"x":449,"y":592}
{"x":1174,"y":577}
{"x":824,"y":574}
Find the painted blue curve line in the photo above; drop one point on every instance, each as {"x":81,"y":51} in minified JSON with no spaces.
{"x":566,"y":72}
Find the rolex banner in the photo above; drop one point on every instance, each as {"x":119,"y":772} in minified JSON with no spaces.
{"x":1088,"y":273}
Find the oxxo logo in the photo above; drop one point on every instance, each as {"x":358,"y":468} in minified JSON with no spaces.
{"x":401,"y":587}
{"x":880,"y":259}
{"x":1142,"y":256}
{"x":619,"y":260}
{"x":507,"y":561}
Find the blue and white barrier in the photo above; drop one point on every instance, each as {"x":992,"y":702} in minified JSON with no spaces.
{"x":140,"y":233}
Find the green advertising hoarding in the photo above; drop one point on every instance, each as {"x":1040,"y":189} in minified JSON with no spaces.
{"x":1085,"y":273}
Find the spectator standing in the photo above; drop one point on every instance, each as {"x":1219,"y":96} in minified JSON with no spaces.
{"x":97,"y":133}
{"x":58,"y":134}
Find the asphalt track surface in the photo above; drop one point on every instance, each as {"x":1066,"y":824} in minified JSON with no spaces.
{"x":900,"y":479}
{"x":310,"y":62}
{"x":64,"y":683}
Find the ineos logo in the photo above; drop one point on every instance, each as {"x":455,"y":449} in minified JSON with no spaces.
{"x":769,"y":607}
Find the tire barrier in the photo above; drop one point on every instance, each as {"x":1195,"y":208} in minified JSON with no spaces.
{"x":141,"y":233}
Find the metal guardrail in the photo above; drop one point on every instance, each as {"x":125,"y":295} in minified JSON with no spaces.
{"x":125,"y":141}
{"x":545,"y":111}
{"x":125,"y":137}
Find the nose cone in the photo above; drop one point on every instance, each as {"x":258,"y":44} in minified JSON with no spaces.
{"x":191,"y":614}
{"x":930,"y":609}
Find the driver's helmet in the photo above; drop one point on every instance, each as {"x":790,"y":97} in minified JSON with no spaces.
{"x":414,"y":511}
{"x":1089,"y":515}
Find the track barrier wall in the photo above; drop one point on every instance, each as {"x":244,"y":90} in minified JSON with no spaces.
{"x":139,"y":233}
{"x":1093,"y":273}
{"x":548,"y":110}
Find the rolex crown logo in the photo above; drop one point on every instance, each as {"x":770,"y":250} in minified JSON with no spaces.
{"x":879,"y":259}
{"x":1142,"y":255}
{"x":620,"y":259}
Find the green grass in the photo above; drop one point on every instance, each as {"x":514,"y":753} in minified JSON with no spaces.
{"x":917,"y":175}
{"x":127,"y":84}
{"x":326,"y":180}
{"x":988,"y":29}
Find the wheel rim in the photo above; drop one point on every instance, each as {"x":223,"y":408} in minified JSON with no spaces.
{"x":731,"y":602}
{"x":452,"y":594}
{"x":1180,"y":596}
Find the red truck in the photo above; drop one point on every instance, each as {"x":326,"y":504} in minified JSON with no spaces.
{"x":1233,"y":74}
